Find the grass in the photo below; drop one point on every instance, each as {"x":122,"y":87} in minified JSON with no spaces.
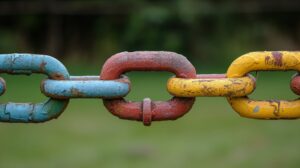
{"x":210,"y":135}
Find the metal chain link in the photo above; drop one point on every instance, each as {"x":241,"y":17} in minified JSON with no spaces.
{"x":112,"y":86}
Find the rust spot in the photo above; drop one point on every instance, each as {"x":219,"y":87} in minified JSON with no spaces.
{"x":276,"y":108}
{"x":57,"y":76}
{"x":42,"y":66}
{"x":277,"y":58}
{"x":123,"y":79}
{"x":76,"y":92}
{"x":267,"y":59}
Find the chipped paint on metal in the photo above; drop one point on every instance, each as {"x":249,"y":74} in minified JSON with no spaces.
{"x":32,"y":113}
{"x":28,"y":64}
{"x":211,"y":85}
{"x":279,"y":109}
{"x":256,"y":109}
{"x":33,"y":63}
{"x":264,"y":61}
{"x":148,"y":61}
{"x":86,"y":87}
{"x":160,"y":110}
{"x":266,"y":109}
{"x":277,"y":58}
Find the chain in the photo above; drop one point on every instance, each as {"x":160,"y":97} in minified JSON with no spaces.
{"x":112,"y":86}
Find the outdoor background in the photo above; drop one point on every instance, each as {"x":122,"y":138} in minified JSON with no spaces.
{"x":211,"y":34}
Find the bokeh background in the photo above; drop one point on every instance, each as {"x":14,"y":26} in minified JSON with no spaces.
{"x":211,"y":34}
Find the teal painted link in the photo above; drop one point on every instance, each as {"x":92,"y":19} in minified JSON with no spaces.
{"x":32,"y":113}
{"x":86,"y":87}
{"x":28,"y":64}
{"x":33,"y":63}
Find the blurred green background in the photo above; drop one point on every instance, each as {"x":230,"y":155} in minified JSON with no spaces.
{"x":211,"y":34}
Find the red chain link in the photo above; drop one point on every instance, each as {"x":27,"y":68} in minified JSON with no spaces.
{"x":147,"y":110}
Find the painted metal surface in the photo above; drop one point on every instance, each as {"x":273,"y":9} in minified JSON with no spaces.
{"x":148,"y":61}
{"x":139,"y":111}
{"x":32,"y":63}
{"x":268,"y":109}
{"x":264,"y":61}
{"x":32,"y":113}
{"x":28,"y":64}
{"x":211,"y":85}
{"x":85,"y":87}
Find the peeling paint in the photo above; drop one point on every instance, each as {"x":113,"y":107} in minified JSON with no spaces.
{"x":267,"y":59}
{"x":256,"y":109}
{"x":86,"y":87}
{"x":28,"y":64}
{"x":214,"y":85}
{"x":264,"y":61}
{"x":268,"y":109}
{"x":277,"y":58}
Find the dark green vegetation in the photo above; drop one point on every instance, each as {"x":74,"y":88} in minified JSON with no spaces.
{"x":211,"y":135}
{"x":208,"y":32}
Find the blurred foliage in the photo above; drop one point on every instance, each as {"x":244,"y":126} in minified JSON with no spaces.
{"x":209,"y":33}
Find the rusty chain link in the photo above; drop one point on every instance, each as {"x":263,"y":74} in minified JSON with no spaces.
{"x":148,"y":61}
{"x":112,"y":86}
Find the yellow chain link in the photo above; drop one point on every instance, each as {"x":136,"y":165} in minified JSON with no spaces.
{"x":269,"y":109}
{"x":203,"y":86}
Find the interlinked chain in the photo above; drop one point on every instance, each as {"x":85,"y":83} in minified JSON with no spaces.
{"x":112,"y":86}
